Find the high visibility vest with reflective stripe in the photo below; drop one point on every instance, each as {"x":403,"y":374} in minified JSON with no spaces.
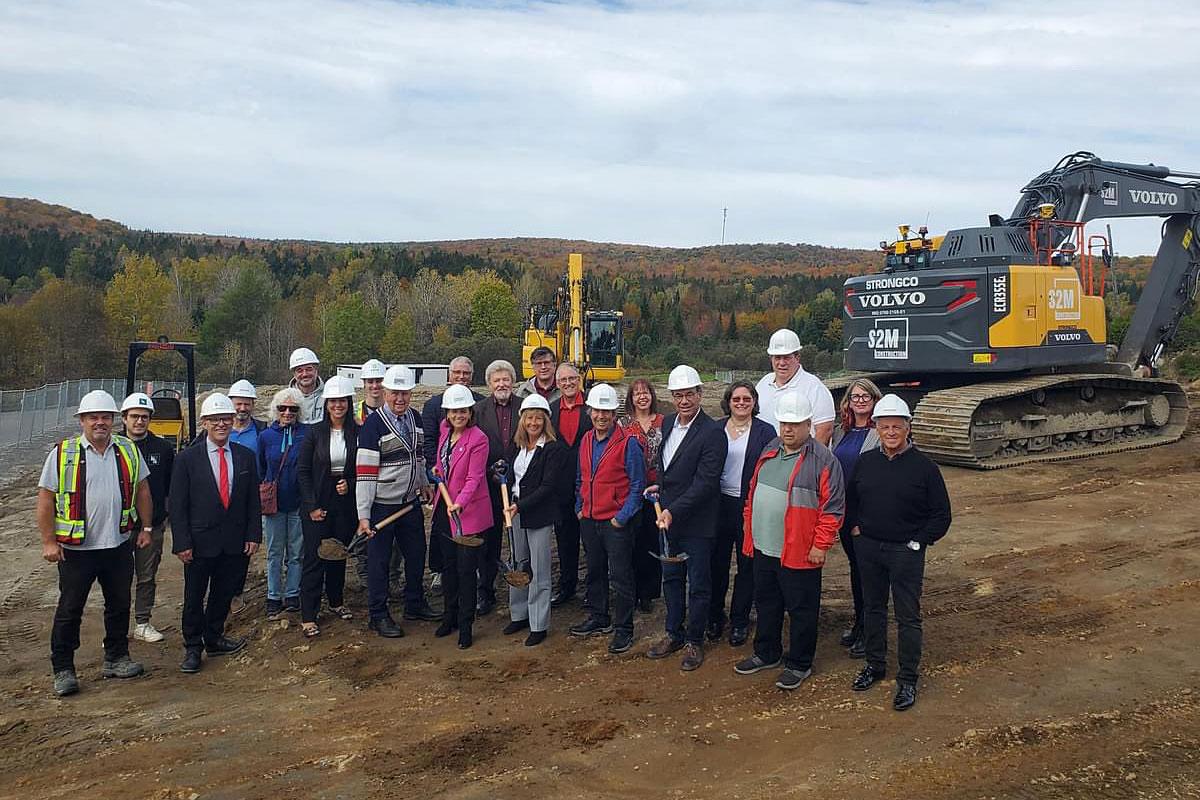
{"x":70,"y":512}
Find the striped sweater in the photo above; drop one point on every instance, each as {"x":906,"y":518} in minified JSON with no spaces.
{"x":390,"y":467}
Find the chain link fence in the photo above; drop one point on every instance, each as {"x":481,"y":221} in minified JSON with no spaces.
{"x":731,"y":375}
{"x":27,"y":414}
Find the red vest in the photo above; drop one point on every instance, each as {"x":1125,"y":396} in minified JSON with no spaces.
{"x":605,"y":491}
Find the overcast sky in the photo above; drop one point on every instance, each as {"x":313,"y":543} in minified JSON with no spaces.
{"x":826,"y":123}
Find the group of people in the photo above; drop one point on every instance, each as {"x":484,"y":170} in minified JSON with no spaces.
{"x":663,"y":506}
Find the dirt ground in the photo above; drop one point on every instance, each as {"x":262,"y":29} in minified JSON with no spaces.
{"x":1062,"y":619}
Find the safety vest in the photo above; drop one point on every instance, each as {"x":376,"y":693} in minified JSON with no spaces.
{"x":362,"y":412}
{"x":70,"y":501}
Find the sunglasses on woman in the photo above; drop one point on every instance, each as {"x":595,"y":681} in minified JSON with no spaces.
{"x":288,"y":409}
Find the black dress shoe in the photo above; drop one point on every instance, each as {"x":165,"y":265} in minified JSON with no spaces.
{"x":560,"y":597}
{"x":485,"y":606}
{"x":858,"y":649}
{"x":191,"y":662}
{"x":445,"y":629}
{"x":848,"y":637}
{"x":386,"y":627}
{"x":866,"y":679}
{"x":423,"y":612}
{"x":738,"y":635}
{"x":535,"y":638}
{"x":906,"y":696}
{"x":224,"y":646}
{"x":714,"y":631}
{"x":465,"y":639}
{"x":516,"y":626}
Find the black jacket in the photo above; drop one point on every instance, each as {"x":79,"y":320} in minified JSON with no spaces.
{"x":571,"y":468}
{"x":159,"y":456}
{"x":761,"y":435}
{"x":543,"y":486}
{"x":431,"y":421}
{"x":691,"y":487}
{"x":485,"y":418}
{"x":198,"y":520}
{"x":317,"y":489}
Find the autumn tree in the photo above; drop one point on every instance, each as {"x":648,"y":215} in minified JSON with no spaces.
{"x":140,"y":302}
{"x":494,"y":311}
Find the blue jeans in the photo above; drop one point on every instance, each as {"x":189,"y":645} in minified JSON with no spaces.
{"x":285,"y":543}
{"x":697,"y":571}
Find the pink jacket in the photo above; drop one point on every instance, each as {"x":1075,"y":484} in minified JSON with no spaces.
{"x":467,"y":482}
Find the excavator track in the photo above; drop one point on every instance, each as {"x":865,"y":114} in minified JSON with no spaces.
{"x":1047,"y":418}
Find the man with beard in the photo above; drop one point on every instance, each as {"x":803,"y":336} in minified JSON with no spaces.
{"x":306,"y":378}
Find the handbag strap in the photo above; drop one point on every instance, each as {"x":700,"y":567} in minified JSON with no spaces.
{"x":283,"y":460}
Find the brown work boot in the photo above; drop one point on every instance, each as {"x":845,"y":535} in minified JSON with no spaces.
{"x":693,"y":656}
{"x":664,"y":647}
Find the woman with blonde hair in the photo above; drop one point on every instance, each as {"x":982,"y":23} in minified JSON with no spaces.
{"x":536,"y":475}
{"x":278,"y":457}
{"x":854,"y":434}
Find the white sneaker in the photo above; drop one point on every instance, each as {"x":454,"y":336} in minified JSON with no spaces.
{"x":145,"y":632}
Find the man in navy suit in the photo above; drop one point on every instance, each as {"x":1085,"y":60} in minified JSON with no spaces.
{"x":689,"y":487}
{"x":215,"y":528}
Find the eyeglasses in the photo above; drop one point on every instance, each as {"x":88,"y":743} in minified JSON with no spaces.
{"x":741,"y":399}
{"x":288,"y":409}
{"x":861,"y":398}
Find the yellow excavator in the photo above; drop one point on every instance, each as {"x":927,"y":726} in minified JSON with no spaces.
{"x":594,"y":341}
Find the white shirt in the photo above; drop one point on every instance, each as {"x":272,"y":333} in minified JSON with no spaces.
{"x":521,"y":465}
{"x":818,"y":395}
{"x":216,"y":466}
{"x":337,"y":451}
{"x":102,"y":513}
{"x":678,"y":431}
{"x":735,"y":460}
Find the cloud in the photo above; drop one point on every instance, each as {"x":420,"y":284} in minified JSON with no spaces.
{"x":824,"y":122}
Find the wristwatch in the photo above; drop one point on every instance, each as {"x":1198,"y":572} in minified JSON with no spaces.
{"x":147,"y":530}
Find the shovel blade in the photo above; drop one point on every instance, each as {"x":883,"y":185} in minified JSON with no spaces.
{"x":332,"y":550}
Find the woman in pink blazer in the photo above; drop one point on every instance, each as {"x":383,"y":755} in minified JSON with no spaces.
{"x":462,"y":466}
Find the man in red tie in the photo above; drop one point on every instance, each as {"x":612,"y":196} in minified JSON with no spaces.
{"x":215,"y":528}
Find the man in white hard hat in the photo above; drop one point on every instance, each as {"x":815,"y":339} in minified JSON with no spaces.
{"x":306,"y":377}
{"x":216,"y":525}
{"x":462,"y":373}
{"x":245,"y":426}
{"x":92,"y":500}
{"x":496,"y":415}
{"x":136,"y":412}
{"x":544,"y":363}
{"x":390,"y":473}
{"x":372,"y":374}
{"x":689,"y":468}
{"x":608,"y":495}
{"x":792,"y":517}
{"x":787,"y":375}
{"x":902,"y":508}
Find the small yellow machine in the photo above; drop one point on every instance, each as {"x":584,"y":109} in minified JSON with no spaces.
{"x":168,"y":420}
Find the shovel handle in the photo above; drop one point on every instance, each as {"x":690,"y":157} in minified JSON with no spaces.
{"x":507,"y":503}
{"x":388,"y":520}
{"x":446,"y":499}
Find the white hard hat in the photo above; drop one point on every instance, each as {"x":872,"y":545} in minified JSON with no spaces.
{"x":138,"y":400}
{"x":97,"y":401}
{"x":456,"y":396}
{"x":243,"y":388}
{"x":337,"y":386}
{"x":683,"y":377}
{"x":302,"y":356}
{"x":215,"y":404}
{"x":372,"y":368}
{"x":891,"y":405}
{"x":535,"y":401}
{"x":399,"y":378}
{"x":783,"y":342}
{"x":602,"y":397}
{"x":793,"y":407}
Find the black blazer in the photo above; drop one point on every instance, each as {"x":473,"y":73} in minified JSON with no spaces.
{"x":198,"y":520}
{"x":761,"y":434}
{"x":691,"y":487}
{"x":312,"y":466}
{"x":485,"y":418}
{"x":543,"y":486}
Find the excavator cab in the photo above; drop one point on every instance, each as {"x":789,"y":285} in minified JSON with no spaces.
{"x":168,"y":420}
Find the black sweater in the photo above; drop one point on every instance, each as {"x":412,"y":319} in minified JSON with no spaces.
{"x":900,"y":499}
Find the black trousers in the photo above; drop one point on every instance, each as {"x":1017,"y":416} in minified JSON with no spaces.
{"x":891,"y":567}
{"x":318,"y":575}
{"x":113,"y":569}
{"x":855,"y":576}
{"x":209,"y":584}
{"x":408,"y":535}
{"x":489,"y":565}
{"x":566,"y":539}
{"x":798,"y":592}
{"x":647,"y":570}
{"x":729,"y":541}
{"x":460,"y":565}
{"x":609,"y":552}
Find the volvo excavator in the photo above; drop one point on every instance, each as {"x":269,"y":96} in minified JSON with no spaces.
{"x":998,"y":336}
